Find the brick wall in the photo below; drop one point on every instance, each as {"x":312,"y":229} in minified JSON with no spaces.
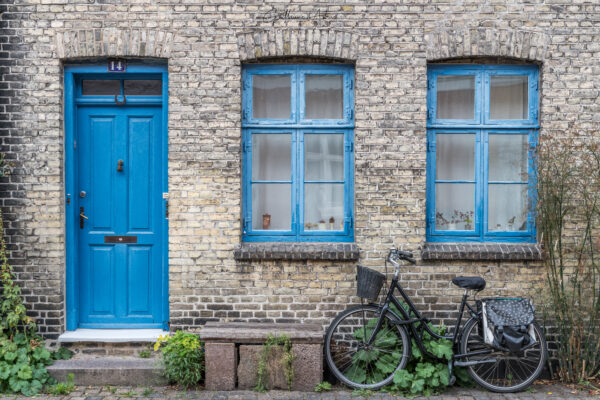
{"x":205,"y":44}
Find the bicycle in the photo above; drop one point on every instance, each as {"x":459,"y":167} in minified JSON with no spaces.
{"x":366,"y":334}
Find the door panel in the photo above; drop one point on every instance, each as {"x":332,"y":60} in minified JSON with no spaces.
{"x":140,"y":185}
{"x":102,"y":130}
{"x":120,"y":169}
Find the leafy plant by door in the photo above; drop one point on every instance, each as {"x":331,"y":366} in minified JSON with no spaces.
{"x":183,"y":358}
{"x":23,"y":357}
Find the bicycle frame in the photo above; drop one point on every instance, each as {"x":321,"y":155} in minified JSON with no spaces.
{"x":417,"y":334}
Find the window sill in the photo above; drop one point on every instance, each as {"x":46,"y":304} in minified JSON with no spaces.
{"x":482,"y":251}
{"x":297,"y":251}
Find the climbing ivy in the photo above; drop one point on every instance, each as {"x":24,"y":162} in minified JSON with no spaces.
{"x":286,"y":361}
{"x":23,"y":357}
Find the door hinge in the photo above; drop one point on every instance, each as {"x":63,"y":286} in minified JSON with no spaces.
{"x":431,"y":146}
{"x":349,"y":146}
{"x":167,"y":209}
{"x":246,"y":147}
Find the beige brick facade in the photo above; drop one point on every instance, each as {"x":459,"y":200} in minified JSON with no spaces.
{"x":205,"y":44}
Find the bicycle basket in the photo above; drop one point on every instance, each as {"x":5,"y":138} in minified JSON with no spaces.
{"x":368,"y":283}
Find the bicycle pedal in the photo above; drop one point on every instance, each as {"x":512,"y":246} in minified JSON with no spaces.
{"x":452,"y":380}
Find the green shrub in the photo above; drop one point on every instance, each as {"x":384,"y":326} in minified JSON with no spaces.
{"x":62,"y":388}
{"x":23,"y":361}
{"x":23,"y":358}
{"x":425,"y":376}
{"x":323,"y":387}
{"x":183,"y":358}
{"x":568,"y":220}
{"x":421,"y":375}
{"x":145,"y":354}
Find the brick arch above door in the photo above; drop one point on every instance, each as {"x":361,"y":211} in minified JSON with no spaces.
{"x":327,"y":43}
{"x":107,"y":42}
{"x":486,"y":42}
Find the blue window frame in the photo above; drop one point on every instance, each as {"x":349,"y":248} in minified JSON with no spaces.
{"x":298,"y":146}
{"x":482,"y":134}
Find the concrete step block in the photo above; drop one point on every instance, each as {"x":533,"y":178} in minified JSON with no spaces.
{"x":102,"y":371}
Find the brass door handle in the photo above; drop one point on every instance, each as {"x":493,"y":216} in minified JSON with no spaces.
{"x":81,"y":217}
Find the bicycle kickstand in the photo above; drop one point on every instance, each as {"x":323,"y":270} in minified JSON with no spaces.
{"x":450,"y":372}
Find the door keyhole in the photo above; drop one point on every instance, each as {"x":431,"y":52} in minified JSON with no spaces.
{"x":120,"y":165}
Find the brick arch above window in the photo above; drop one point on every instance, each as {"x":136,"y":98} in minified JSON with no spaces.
{"x":268,"y":43}
{"x":107,"y":42}
{"x":486,"y":42}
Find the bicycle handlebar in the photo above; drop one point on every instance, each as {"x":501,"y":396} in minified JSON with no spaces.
{"x":402,"y":255}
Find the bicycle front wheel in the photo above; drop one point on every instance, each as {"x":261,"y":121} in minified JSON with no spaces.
{"x":357,"y":363}
{"x":509,"y":372}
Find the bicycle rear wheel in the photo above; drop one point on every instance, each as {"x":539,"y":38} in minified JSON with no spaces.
{"x":358,"y":364}
{"x":511,"y":372}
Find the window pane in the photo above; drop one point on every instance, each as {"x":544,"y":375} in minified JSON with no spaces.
{"x":455,"y":157}
{"x":455,"y":97}
{"x":94,"y":87}
{"x":324,"y":157}
{"x":455,"y":206}
{"x":324,"y":97}
{"x":271,"y":96}
{"x":508,"y":205}
{"x":143,"y":87}
{"x":508,"y":97}
{"x":508,"y":158}
{"x":324,"y":206}
{"x":271,"y":157}
{"x":271,"y":206}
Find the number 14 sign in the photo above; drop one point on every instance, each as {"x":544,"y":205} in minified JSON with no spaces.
{"x":116,"y":65}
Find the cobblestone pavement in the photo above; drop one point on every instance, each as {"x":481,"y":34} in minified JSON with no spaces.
{"x":110,"y":393}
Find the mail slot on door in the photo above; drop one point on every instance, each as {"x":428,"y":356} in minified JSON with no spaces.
{"x":120,"y":239}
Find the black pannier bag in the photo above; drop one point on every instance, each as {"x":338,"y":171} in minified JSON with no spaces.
{"x":508,"y":323}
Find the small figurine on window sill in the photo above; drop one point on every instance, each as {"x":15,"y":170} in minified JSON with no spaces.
{"x":266,"y":223}
{"x":322,"y":226}
{"x":331,"y":223}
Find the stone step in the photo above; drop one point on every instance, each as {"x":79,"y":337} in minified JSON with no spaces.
{"x":111,"y":342}
{"x":100,"y":371}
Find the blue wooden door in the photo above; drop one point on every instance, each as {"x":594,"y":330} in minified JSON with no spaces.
{"x":119,"y":155}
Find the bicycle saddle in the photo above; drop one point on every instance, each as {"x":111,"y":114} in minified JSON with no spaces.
{"x":469,"y":282}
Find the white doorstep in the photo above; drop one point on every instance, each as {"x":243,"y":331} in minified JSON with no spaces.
{"x":111,"y":335}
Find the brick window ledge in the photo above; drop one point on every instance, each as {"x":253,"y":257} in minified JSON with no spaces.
{"x":297,"y":251}
{"x":482,"y":251}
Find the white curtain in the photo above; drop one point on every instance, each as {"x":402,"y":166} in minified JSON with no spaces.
{"x":324,"y":97}
{"x":508,"y":97}
{"x":323,"y":161}
{"x":508,"y":202}
{"x":271,"y":161}
{"x":271,"y":96}
{"x":455,"y":97}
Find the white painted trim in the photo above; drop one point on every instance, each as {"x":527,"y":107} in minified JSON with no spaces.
{"x":111,"y":335}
